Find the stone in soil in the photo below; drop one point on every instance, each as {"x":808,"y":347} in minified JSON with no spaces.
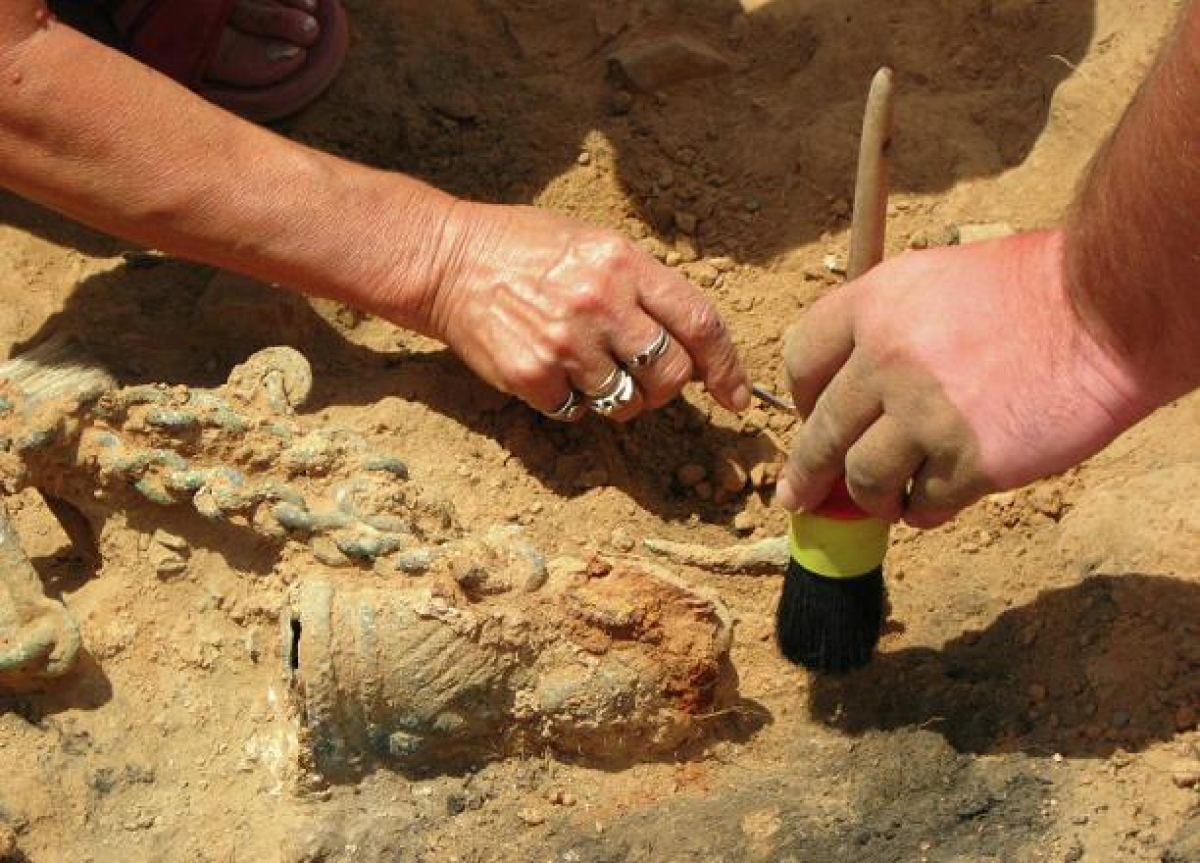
{"x":656,"y":63}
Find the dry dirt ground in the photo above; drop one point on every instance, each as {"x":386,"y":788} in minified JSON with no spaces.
{"x":1036,"y":697}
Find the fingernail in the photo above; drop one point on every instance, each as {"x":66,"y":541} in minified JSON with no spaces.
{"x":785,"y":495}
{"x":741,"y":397}
{"x":310,"y":5}
{"x":309,"y":25}
{"x":282,"y":53}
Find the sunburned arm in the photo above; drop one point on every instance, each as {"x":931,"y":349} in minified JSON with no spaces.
{"x":537,"y":304}
{"x":1133,"y":241}
{"x":95,"y":135}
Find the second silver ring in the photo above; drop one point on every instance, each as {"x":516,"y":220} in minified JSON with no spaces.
{"x":621,"y":392}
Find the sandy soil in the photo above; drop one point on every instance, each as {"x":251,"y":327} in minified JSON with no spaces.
{"x":1036,"y":698}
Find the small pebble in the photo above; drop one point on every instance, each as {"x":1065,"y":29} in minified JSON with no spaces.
{"x":730,"y":476}
{"x":703,"y":274}
{"x":1185,"y":774}
{"x":532,"y":817}
{"x":765,"y":473}
{"x":621,"y":540}
{"x":655,"y":247}
{"x":744,"y":522}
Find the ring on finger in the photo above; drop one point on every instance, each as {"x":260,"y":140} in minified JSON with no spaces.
{"x":612,"y":383}
{"x":623,"y":393}
{"x":570,"y":410}
{"x":652,"y":351}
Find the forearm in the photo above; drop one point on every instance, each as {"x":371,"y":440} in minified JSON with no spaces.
{"x":1133,"y":241}
{"x":99,"y":137}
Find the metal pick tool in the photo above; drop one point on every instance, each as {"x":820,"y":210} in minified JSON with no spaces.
{"x":767,"y":397}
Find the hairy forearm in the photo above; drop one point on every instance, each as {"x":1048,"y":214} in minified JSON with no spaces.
{"x":95,"y":135}
{"x":1133,"y":240}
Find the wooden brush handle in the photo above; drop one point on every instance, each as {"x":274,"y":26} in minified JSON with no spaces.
{"x":868,"y":226}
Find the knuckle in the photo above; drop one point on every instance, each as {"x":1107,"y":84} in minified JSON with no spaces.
{"x":863,"y":477}
{"x":589,"y":299}
{"x":559,"y":342}
{"x":611,"y":249}
{"x":526,"y":376}
{"x":706,"y":325}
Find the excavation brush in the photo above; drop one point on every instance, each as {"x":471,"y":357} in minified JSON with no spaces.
{"x":831,"y":611}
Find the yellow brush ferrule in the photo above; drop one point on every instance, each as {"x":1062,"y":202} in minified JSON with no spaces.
{"x":835,"y":548}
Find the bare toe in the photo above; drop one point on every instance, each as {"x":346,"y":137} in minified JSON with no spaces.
{"x":243,"y":60}
{"x":277,"y":21}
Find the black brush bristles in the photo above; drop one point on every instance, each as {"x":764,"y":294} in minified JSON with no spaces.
{"x":829,"y":625}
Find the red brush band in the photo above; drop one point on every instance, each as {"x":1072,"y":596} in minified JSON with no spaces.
{"x":839,"y":505}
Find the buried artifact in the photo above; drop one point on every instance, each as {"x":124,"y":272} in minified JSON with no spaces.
{"x":406,"y":640}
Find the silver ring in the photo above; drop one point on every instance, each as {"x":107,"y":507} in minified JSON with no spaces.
{"x":624,"y":391}
{"x":570,"y":410}
{"x":611,"y":384}
{"x":653,"y":351}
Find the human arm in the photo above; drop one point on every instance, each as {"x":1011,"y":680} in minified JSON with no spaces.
{"x":944,"y":375}
{"x":95,"y":135}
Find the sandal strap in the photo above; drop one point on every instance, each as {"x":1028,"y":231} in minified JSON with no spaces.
{"x":176,"y":37}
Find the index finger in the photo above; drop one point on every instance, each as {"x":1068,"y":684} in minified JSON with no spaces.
{"x":816,"y":348}
{"x":692,"y":320}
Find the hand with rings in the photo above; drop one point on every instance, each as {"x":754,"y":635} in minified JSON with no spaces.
{"x":573,"y":318}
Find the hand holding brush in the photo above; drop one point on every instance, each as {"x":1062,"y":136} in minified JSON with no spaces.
{"x":832,"y":607}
